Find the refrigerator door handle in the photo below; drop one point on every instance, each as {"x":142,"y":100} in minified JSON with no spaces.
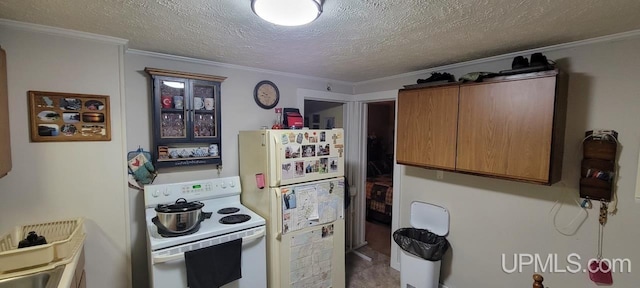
{"x":278,"y":207}
{"x":274,"y":161}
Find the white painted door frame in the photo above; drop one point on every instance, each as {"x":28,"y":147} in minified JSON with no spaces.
{"x":363,"y":100}
{"x":351,"y":121}
{"x":355,"y":120}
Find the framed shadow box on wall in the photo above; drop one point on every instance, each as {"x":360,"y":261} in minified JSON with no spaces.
{"x":56,"y":117}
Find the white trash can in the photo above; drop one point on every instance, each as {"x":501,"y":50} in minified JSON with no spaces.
{"x":416,"y":272}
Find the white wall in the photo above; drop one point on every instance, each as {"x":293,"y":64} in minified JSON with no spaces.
{"x":63,"y":180}
{"x":239,"y":112}
{"x":490,"y":217}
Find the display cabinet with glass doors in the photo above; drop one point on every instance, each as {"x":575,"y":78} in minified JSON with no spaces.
{"x":186,"y":118}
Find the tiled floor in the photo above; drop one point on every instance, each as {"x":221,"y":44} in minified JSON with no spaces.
{"x":379,"y":237}
{"x":377,"y":273}
{"x":361,"y":273}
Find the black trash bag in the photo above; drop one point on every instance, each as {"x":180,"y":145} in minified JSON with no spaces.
{"x":421,"y":243}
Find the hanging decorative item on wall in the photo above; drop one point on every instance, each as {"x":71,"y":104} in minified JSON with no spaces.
{"x":599,"y":165}
{"x":141,"y":169}
{"x":56,"y":117}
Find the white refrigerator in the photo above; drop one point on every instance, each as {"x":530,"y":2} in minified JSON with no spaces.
{"x":294,"y":179}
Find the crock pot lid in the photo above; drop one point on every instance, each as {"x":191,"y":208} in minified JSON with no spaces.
{"x":181,"y":205}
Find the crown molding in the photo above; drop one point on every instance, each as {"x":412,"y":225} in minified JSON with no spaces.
{"x":602,"y":39}
{"x":388,"y":95}
{"x":309,"y":94}
{"x":62,"y":32}
{"x":326,"y":96}
{"x":230,"y":66}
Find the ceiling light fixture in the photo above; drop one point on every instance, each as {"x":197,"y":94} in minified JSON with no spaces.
{"x":287,"y":12}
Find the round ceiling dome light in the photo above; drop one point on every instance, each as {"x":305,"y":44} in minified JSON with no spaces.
{"x":287,"y":12}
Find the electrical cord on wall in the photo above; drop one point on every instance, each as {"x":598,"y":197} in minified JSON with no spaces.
{"x":575,"y":223}
{"x":572,"y":227}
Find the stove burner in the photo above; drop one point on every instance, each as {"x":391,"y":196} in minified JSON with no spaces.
{"x":228,"y":210}
{"x":165,"y":233}
{"x":234,"y":219}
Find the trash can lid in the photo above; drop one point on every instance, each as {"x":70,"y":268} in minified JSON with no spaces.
{"x":431,"y":217}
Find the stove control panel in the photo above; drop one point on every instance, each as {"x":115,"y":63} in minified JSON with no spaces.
{"x":191,"y":191}
{"x":197,"y":188}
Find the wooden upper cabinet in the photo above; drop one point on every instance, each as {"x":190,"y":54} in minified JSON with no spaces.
{"x":186,"y":117}
{"x":426,"y":127}
{"x":5,"y":141}
{"x":509,"y":127}
{"x":505,"y":129}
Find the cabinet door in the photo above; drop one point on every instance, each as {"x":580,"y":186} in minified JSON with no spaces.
{"x":5,"y":141}
{"x":505,"y":129}
{"x":186,"y":118}
{"x":205,"y":103}
{"x":170,"y":104}
{"x":427,"y":120}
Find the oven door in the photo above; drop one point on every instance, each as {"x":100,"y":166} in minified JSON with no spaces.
{"x":168,"y":269}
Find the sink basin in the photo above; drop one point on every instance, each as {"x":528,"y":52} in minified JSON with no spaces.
{"x":44,"y":279}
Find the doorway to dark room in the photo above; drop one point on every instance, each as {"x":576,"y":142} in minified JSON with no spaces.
{"x":379,"y":182}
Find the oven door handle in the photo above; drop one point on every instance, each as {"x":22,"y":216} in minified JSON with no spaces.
{"x":178,"y":256}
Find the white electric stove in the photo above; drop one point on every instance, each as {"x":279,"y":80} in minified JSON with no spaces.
{"x":221,"y":197}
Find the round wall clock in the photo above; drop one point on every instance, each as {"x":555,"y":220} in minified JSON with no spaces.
{"x":266,"y":94}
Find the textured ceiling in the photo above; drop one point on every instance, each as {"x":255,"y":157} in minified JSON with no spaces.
{"x":353,"y":40}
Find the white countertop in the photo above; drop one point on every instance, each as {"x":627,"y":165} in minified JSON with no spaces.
{"x":70,"y":269}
